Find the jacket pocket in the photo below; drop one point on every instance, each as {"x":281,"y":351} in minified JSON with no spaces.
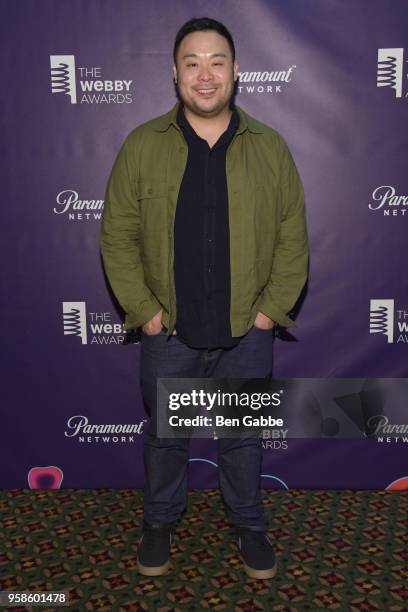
{"x":148,"y":189}
{"x":152,"y":195}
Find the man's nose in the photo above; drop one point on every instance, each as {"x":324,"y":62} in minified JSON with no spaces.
{"x":204,"y":74}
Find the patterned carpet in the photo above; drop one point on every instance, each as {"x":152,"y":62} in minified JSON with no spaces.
{"x":336,"y":550}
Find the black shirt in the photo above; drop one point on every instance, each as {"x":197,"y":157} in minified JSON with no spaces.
{"x":201,"y":242}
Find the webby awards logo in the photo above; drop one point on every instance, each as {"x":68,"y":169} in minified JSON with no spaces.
{"x":86,"y":327}
{"x":390,"y":71}
{"x":389,"y":321}
{"x":86,"y":84}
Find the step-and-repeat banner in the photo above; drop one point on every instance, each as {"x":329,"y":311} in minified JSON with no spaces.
{"x":77,"y":77}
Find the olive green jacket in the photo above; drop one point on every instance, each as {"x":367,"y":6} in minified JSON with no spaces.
{"x":268,"y":239}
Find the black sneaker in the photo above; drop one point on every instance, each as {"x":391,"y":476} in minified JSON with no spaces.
{"x":257,"y":553}
{"x":154,"y":550}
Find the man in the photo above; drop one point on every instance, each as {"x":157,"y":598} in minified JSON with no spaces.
{"x":204,"y":243}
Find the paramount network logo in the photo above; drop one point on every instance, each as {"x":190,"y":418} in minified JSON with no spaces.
{"x":90,"y":327}
{"x":390,"y":69}
{"x":386,"y":199}
{"x":79,"y":428}
{"x":67,"y":79}
{"x":266,"y":81}
{"x":383,"y":316}
{"x":74,"y":208}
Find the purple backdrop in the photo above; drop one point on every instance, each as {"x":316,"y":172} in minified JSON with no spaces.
{"x":331,"y":78}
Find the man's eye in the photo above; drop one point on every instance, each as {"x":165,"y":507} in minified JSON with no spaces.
{"x":218,"y":64}
{"x":191,"y":65}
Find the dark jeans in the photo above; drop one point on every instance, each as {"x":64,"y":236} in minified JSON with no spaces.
{"x":239,"y":460}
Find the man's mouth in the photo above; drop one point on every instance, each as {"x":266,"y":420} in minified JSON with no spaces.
{"x":206,"y":92}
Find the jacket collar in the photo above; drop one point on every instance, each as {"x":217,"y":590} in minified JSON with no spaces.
{"x":246,"y":122}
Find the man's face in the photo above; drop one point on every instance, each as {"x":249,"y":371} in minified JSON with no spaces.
{"x":205,"y":73}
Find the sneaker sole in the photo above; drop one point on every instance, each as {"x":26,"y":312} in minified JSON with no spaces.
{"x":260,"y":574}
{"x":145,"y":570}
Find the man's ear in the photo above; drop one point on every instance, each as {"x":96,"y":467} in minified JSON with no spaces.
{"x":236,"y":68}
{"x":175,"y":73}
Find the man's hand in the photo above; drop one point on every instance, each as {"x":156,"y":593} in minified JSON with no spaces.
{"x":263,"y":322}
{"x":154,"y":326}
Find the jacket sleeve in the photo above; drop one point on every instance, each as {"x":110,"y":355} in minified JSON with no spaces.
{"x":289,"y":267}
{"x":120,"y":241}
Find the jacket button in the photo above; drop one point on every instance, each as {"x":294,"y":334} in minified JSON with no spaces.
{"x":150,"y":190}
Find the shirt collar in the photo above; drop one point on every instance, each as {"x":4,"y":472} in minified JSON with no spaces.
{"x":189,"y":131}
{"x":246,"y":122}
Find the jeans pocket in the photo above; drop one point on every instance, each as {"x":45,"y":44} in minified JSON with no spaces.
{"x":161,"y":333}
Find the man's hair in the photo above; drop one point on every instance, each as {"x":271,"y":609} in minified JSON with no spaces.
{"x":201,"y":25}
